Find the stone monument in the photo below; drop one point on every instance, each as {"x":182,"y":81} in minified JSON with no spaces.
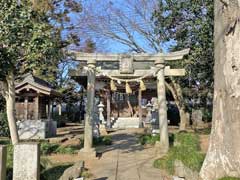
{"x":26,"y":161}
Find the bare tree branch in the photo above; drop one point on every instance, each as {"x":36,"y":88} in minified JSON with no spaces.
{"x":130,"y":26}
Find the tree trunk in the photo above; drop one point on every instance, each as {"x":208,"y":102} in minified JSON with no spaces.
{"x":9,"y":95}
{"x":223,"y":157}
{"x":176,"y":92}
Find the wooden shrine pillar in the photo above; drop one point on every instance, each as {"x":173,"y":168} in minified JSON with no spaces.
{"x":25,"y":108}
{"x":162,"y":108}
{"x":108,"y":109}
{"x":89,"y":117}
{"x":36,"y":108}
{"x":140,"y":108}
{"x":60,"y":109}
{"x":50,"y":106}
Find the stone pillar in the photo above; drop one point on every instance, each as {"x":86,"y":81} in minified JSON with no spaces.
{"x":108,"y":109}
{"x":89,"y":116}
{"x":3,"y":162}
{"x":36,"y":109}
{"x":25,"y":108}
{"x":26,"y":161}
{"x":162,"y":108}
{"x":140,"y":108}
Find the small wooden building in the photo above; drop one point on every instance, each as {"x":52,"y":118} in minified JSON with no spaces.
{"x":34,"y":99}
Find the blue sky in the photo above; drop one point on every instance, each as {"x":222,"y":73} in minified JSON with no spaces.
{"x":109,"y":44}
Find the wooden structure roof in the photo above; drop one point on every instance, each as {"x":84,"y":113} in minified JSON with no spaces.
{"x":31,"y":82}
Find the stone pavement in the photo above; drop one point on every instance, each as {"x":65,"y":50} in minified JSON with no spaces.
{"x":126,"y":159}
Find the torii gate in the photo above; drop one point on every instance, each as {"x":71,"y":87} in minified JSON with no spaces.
{"x":127,"y":70}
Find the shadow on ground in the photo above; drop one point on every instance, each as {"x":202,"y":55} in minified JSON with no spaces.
{"x":54,"y":172}
{"x":127,"y":143}
{"x":103,"y":178}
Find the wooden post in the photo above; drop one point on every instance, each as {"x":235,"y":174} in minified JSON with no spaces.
{"x":50,"y":109}
{"x":162,"y":108}
{"x":89,"y":117}
{"x":140,"y":108}
{"x":25,"y":108}
{"x":60,"y":109}
{"x":36,"y":109}
{"x":108,"y":109}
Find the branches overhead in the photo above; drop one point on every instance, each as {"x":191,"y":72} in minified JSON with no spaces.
{"x":126,"y":22}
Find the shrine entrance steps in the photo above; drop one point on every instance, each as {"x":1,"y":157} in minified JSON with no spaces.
{"x":126,"y":122}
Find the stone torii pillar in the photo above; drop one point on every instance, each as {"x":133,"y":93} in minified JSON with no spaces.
{"x":89,"y":117}
{"x":163,"y":145}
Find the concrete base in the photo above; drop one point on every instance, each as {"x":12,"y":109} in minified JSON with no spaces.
{"x":26,"y":162}
{"x":88,"y":152}
{"x":3,"y":162}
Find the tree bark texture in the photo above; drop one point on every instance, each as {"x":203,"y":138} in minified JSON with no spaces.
{"x":223,"y":156}
{"x":9,"y":95}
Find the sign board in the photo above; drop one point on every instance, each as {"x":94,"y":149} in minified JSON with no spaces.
{"x":126,"y":64}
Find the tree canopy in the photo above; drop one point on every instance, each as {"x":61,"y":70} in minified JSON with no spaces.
{"x":189,"y":23}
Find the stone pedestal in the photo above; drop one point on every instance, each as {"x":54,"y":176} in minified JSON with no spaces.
{"x":103,"y":130}
{"x":197,"y":119}
{"x":26,"y":161}
{"x":3,"y":162}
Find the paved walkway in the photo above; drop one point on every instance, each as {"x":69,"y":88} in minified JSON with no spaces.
{"x":126,"y":159}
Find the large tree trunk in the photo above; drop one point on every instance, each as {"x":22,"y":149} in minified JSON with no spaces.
{"x":9,"y":95}
{"x":223,"y":157}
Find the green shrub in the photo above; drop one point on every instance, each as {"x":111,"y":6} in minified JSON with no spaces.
{"x":107,"y":140}
{"x":66,"y":150}
{"x":186,"y":149}
{"x":9,"y":162}
{"x":229,"y":178}
{"x":47,"y":148}
{"x":102,"y":140}
{"x":4,"y":141}
{"x":10,"y":156}
{"x":86,"y":174}
{"x":188,"y":140}
{"x":4,"y":130}
{"x":148,"y":139}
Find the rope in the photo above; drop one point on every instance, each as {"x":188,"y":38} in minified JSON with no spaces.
{"x":129,"y":80}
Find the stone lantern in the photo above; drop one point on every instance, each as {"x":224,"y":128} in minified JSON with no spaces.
{"x":100,"y":110}
{"x":149,"y":111}
{"x":102,"y":126}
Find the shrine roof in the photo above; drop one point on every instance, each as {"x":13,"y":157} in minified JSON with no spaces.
{"x":37,"y":84}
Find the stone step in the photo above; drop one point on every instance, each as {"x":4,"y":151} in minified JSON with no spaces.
{"x":126,"y":123}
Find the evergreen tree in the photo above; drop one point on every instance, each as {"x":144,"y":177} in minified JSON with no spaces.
{"x":189,"y":23}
